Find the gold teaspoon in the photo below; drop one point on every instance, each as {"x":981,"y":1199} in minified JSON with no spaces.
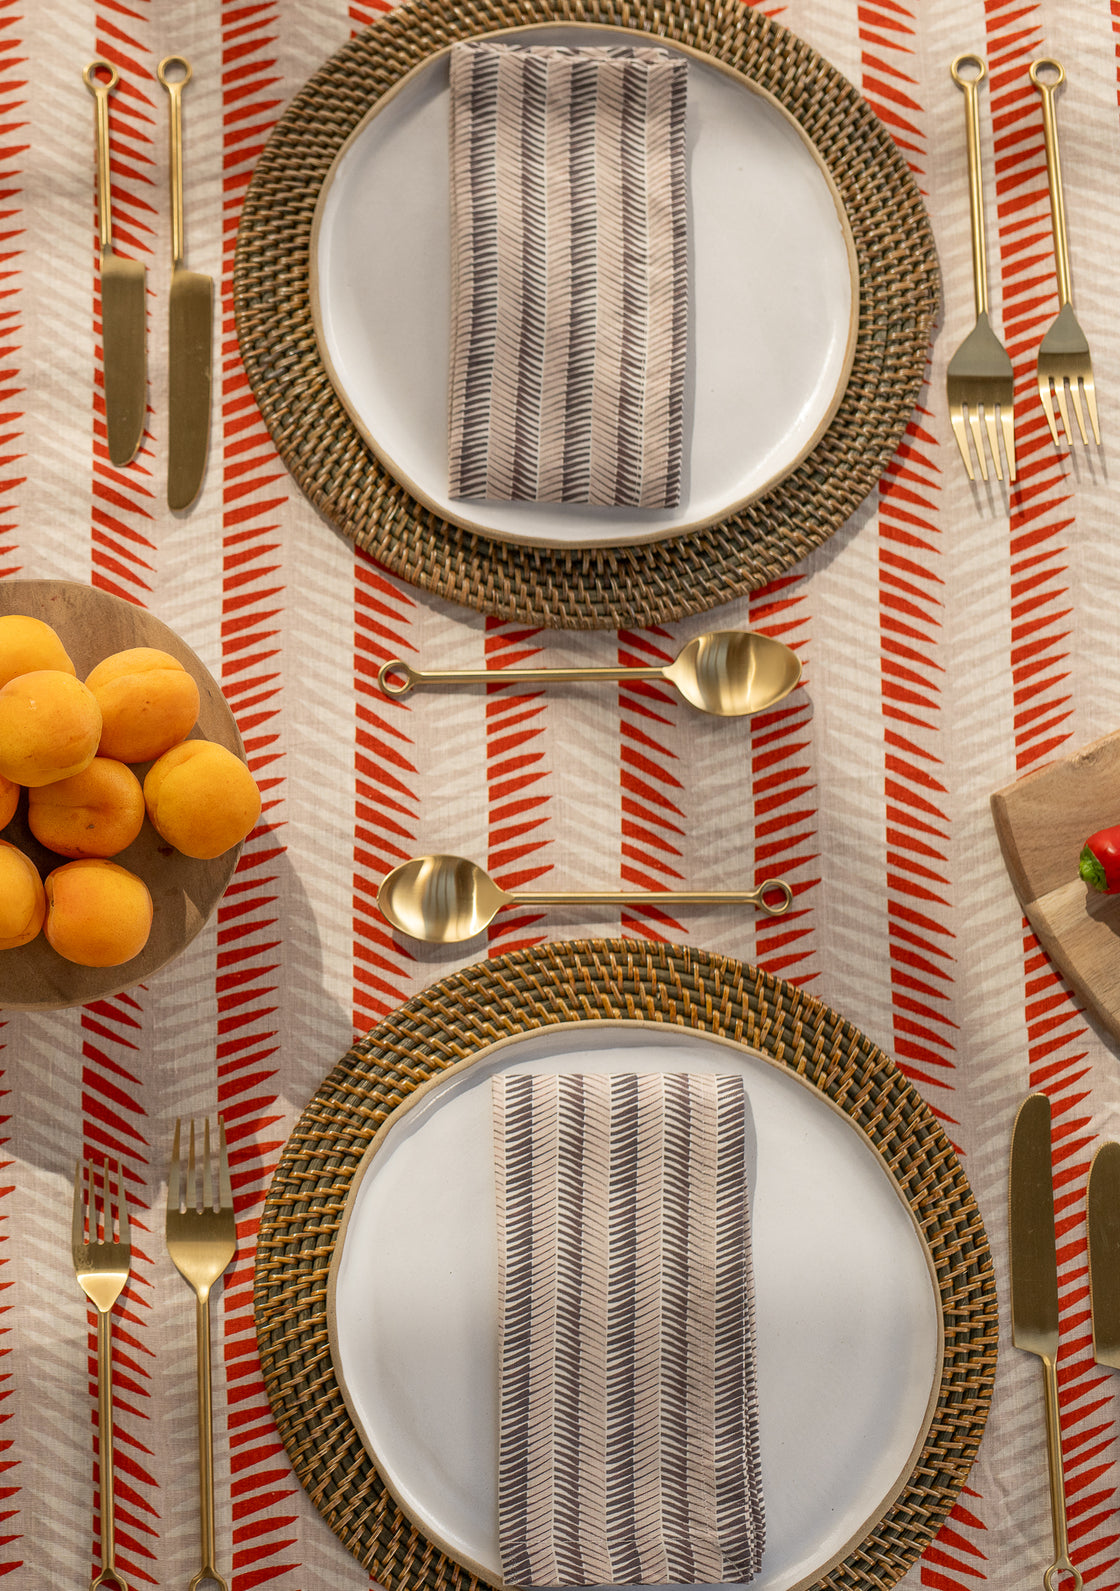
{"x":445,"y":899}
{"x":728,"y":672}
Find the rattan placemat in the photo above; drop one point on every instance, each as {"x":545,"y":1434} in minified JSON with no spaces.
{"x":595,"y":587}
{"x":597,"y":980}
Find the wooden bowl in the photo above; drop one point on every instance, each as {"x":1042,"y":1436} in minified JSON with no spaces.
{"x":92,"y":624}
{"x":1042,"y":821}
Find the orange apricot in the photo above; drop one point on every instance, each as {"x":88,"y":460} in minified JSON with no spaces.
{"x":97,"y":812}
{"x":50,"y":725}
{"x":27,"y":645}
{"x":98,"y":913}
{"x":148,"y":703}
{"x":9,"y":800}
{"x":201,"y":798}
{"x":22,"y":901}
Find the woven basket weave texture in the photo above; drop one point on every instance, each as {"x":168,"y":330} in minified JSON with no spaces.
{"x":596,"y":981}
{"x":596,"y":587}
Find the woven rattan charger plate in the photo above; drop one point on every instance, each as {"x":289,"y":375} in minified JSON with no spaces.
{"x":594,"y":587}
{"x":592,"y":981}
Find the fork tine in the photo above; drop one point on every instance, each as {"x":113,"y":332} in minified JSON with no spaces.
{"x":956,"y":417}
{"x":207,"y":1186}
{"x":1075,"y":400}
{"x":1091,"y":405}
{"x":1063,"y":408}
{"x":1048,"y":407}
{"x":123,"y":1235}
{"x":173,"y":1171}
{"x":990,"y":422}
{"x":978,"y":438}
{"x":78,"y":1229}
{"x":192,"y":1179}
{"x":1007,"y":423}
{"x":225,"y":1188}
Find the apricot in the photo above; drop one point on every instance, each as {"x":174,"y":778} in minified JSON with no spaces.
{"x":22,"y":900}
{"x":50,"y":725}
{"x":93,"y":813}
{"x":9,"y":800}
{"x":28,"y":645}
{"x":148,"y":702}
{"x":201,"y":798}
{"x":98,"y":913}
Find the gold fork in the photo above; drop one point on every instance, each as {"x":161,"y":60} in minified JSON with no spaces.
{"x":101,"y":1265}
{"x":201,"y":1241}
{"x":1063,"y":357}
{"x":980,"y":376}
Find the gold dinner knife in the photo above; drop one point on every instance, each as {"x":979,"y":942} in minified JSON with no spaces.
{"x":1034,"y":1294}
{"x":1103,"y":1221}
{"x":123,"y":306}
{"x":190,"y":323}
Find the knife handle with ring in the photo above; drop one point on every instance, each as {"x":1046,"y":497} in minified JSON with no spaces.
{"x":1034,"y":1298}
{"x":175,"y":87}
{"x":101,"y":88}
{"x":123,"y":298}
{"x":189,"y":324}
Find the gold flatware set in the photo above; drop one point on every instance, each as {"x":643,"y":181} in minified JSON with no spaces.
{"x":444,"y":900}
{"x":980,"y":377}
{"x":1034,"y":1284}
{"x":201,"y":1237}
{"x":124,"y":311}
{"x":729,"y":673}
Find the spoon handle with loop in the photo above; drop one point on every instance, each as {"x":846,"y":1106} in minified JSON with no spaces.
{"x":397,"y":677}
{"x":776,"y":888}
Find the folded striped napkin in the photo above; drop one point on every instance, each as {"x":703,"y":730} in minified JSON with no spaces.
{"x":628,"y":1442}
{"x":569,"y":290}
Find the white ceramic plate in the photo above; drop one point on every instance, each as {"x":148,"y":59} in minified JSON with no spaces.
{"x":774,"y":287}
{"x":848,"y":1319}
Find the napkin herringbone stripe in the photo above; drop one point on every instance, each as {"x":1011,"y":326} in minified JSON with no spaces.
{"x":628,"y":1448}
{"x":569,"y":285}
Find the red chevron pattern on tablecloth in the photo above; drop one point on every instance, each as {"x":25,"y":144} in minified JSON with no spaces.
{"x":1042,"y":522}
{"x":122,"y":555}
{"x":519,"y":842}
{"x":784,"y":796}
{"x":952,"y":637}
{"x":651,"y":788}
{"x":254,"y":493}
{"x":386,"y":798}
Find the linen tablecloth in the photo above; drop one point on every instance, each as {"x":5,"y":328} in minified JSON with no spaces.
{"x":952,"y":639}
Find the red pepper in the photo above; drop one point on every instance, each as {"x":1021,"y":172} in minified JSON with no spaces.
{"x":1100,"y":860}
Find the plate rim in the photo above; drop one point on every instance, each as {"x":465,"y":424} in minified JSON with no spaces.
{"x":443,"y":1079}
{"x":597,"y":587}
{"x":561,"y":543}
{"x":643,"y":981}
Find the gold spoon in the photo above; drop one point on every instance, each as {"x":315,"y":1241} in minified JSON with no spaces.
{"x":728,"y":672}
{"x":445,"y":899}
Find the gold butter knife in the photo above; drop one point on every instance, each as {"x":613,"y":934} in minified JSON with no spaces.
{"x":1103,"y":1222}
{"x":190,"y":325}
{"x":1034,"y":1294}
{"x":123,"y":306}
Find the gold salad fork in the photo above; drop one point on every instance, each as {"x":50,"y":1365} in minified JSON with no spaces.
{"x":101,"y":1265}
{"x":1063,"y":357}
{"x":201,"y":1241}
{"x":980,"y":377}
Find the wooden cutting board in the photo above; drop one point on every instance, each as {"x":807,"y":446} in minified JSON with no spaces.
{"x":1042,"y":821}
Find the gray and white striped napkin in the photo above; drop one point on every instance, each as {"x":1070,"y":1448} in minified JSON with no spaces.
{"x":628,"y":1443}
{"x":569,"y":289}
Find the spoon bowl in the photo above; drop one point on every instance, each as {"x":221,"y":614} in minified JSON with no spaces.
{"x":444,"y":900}
{"x":728,"y":673}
